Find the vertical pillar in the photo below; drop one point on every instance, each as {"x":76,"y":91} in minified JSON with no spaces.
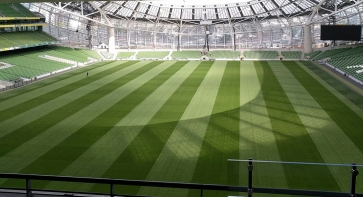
{"x":290,"y":35}
{"x":179,"y":38}
{"x":233,"y":36}
{"x":307,"y":39}
{"x":128,"y":37}
{"x":353,"y":180}
{"x":154,"y":36}
{"x":111,"y":40}
{"x":250,"y":168}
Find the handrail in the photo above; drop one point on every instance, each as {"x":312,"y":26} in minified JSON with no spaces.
{"x":198,"y":186}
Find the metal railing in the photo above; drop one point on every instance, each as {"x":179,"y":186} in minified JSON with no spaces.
{"x":250,"y":190}
{"x":17,"y":85}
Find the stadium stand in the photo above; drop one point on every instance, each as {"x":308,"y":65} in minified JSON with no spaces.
{"x":349,"y":61}
{"x":106,"y":54}
{"x":125,"y":55}
{"x":6,"y":43}
{"x":261,"y":54}
{"x":7,"y":77}
{"x":18,"y":39}
{"x":351,"y":52}
{"x":329,"y":53}
{"x":30,"y":63}
{"x":152,"y":54}
{"x":89,"y":53}
{"x":224,"y":54}
{"x":40,"y":35}
{"x":14,"y":10}
{"x":186,"y":55}
{"x":312,"y":54}
{"x":291,"y":54}
{"x":66,"y":53}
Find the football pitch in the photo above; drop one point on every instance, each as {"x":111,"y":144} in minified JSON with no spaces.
{"x":180,"y":121}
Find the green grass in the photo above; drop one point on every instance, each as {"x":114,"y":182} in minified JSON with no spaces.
{"x":180,"y":121}
{"x":287,"y":124}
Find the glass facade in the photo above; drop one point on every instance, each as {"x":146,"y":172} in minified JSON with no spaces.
{"x":144,"y":25}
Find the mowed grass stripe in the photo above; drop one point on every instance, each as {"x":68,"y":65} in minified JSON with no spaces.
{"x":48,"y":81}
{"x":221,"y":140}
{"x":27,"y":153}
{"x":34,"y":114}
{"x":178,"y":159}
{"x":322,"y":129}
{"x":116,"y":149}
{"x":63,"y":154}
{"x":293,"y":141}
{"x":256,"y":139}
{"x":349,"y":97}
{"x":59,"y":111}
{"x":10,"y":110}
{"x":347,"y":119}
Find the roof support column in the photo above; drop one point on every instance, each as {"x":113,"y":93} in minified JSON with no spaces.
{"x":233,"y":36}
{"x":179,"y":38}
{"x":128,"y":37}
{"x":154,"y":35}
{"x":111,"y":40}
{"x":307,"y":39}
{"x":290,"y":35}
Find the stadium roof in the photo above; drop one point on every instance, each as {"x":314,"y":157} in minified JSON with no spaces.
{"x":185,"y":12}
{"x":165,"y":11}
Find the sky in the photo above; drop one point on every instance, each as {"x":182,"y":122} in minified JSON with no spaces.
{"x":198,"y":2}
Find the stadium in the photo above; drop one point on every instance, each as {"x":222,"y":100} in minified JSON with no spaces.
{"x":181,"y":98}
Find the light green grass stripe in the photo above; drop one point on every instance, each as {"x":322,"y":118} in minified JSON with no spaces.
{"x":111,"y":145}
{"x":341,"y":97}
{"x":48,"y":81}
{"x":40,"y":91}
{"x":22,"y":156}
{"x":325,"y":133}
{"x":26,"y":117}
{"x":179,"y":156}
{"x":257,"y":140}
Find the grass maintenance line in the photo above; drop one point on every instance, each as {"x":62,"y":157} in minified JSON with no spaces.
{"x":27,"y":153}
{"x":221,"y":140}
{"x":256,"y":138}
{"x":334,"y":145}
{"x":51,"y":80}
{"x":350,"y":98}
{"x":110,"y":146}
{"x":20,"y":104}
{"x":97,"y":128}
{"x":293,"y":141}
{"x":79,"y":91}
{"x":178,"y":159}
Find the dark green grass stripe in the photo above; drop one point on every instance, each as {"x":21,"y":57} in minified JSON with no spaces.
{"x":138,"y":158}
{"x":293,"y":141}
{"x":348,"y":93}
{"x":343,"y":116}
{"x":18,"y":109}
{"x":221,"y":141}
{"x":62,"y":155}
{"x":19,"y":91}
{"x":27,"y":132}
